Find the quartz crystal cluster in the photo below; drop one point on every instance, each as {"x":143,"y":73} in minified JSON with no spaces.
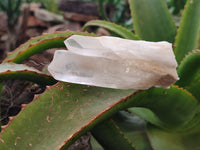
{"x":115,"y":63}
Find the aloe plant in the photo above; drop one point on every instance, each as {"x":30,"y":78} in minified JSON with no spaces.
{"x":155,"y":118}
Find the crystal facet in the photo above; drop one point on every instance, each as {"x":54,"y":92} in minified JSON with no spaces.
{"x":115,"y":63}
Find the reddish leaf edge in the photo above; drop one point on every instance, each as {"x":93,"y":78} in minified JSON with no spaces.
{"x":21,"y":52}
{"x":28,"y":74}
{"x":122,"y":133}
{"x":36,"y":41}
{"x":190,"y":52}
{"x":99,"y":118}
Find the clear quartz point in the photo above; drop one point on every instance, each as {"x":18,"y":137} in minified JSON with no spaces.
{"x":115,"y":63}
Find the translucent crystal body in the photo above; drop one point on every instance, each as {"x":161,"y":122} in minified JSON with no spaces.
{"x":115,"y":63}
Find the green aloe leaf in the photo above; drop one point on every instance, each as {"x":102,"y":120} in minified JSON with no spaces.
{"x":189,"y":74}
{"x":189,"y":70}
{"x":1,"y":87}
{"x":101,"y":10}
{"x":165,"y":140}
{"x":152,"y":20}
{"x":170,"y":106}
{"x":95,"y":145}
{"x":147,"y":115}
{"x":195,"y":122}
{"x":3,"y":6}
{"x":60,"y":115}
{"x":194,"y":89}
{"x":151,"y":117}
{"x":134,"y":128}
{"x":66,"y":111}
{"x":109,"y":135}
{"x":117,"y":29}
{"x":18,"y":71}
{"x":188,"y":32}
{"x":40,"y":44}
{"x":198,"y":45}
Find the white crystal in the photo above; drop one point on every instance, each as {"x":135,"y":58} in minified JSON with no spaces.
{"x":115,"y":63}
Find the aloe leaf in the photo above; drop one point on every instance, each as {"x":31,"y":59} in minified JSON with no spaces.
{"x":160,"y":101}
{"x":134,"y":128}
{"x":66,"y":111}
{"x":18,"y":71}
{"x":101,"y":10}
{"x":177,"y":5}
{"x":198,"y":45}
{"x":147,"y":115}
{"x":195,"y":122}
{"x":117,"y":29}
{"x":151,"y":117}
{"x":189,"y":73}
{"x":60,"y":115}
{"x":3,"y":7}
{"x":159,"y":116}
{"x":108,"y":134}
{"x":40,"y":44}
{"x":152,"y":20}
{"x":189,"y":70}
{"x":188,"y":32}
{"x":1,"y":87}
{"x":95,"y":145}
{"x":165,"y":140}
{"x":194,"y":89}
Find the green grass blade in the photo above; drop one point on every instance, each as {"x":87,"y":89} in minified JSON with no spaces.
{"x":152,"y":20}
{"x":10,"y":71}
{"x":108,"y":134}
{"x":117,"y":29}
{"x":40,"y":44}
{"x":188,"y":32}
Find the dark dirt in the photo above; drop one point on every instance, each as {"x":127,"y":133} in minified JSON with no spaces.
{"x":18,"y":92}
{"x":14,"y":94}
